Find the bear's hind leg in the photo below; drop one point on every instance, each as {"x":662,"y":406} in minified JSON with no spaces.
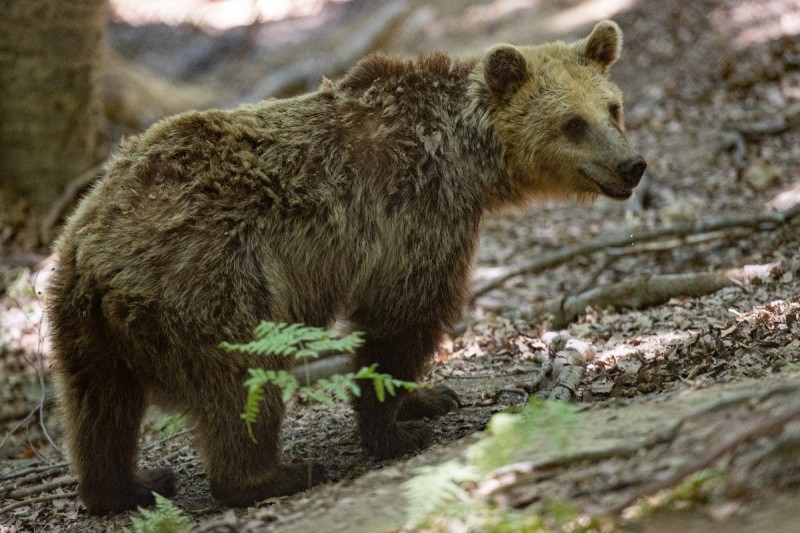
{"x":243,"y":472}
{"x":384,"y":426}
{"x":428,"y":402}
{"x":103,"y":408}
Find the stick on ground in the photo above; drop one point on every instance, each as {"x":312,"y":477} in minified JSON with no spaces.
{"x":551,"y":259}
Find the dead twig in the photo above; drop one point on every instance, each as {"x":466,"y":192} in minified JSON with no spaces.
{"x":28,"y":470}
{"x":323,"y":367}
{"x":174,"y":454}
{"x":646,"y":291}
{"x":568,"y":381}
{"x":37,"y":489}
{"x":760,"y":222}
{"x":569,"y":364}
{"x":537,"y":382}
{"x":18,"y":425}
{"x":671,"y":244}
{"x":44,"y":469}
{"x":38,"y":499}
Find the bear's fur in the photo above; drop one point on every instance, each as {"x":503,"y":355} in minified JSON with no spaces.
{"x":361,"y":200}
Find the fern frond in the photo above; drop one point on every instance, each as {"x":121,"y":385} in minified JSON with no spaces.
{"x":302,"y":343}
{"x":435,"y":488}
{"x":340,"y":386}
{"x":318,"y":395}
{"x":366,"y":372}
{"x":297,"y":340}
{"x":169,"y":425}
{"x":383,"y":383}
{"x":507,"y":434}
{"x":255,"y":395}
{"x":165,"y":518}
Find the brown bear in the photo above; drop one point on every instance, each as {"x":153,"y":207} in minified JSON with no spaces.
{"x":361,"y":200}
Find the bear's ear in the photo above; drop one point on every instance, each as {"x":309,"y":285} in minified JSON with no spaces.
{"x":603,"y":45}
{"x":505,"y":69}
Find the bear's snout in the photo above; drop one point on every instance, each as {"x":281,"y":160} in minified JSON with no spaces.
{"x":631,"y":170}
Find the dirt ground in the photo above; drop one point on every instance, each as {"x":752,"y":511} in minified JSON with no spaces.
{"x":693,"y":384}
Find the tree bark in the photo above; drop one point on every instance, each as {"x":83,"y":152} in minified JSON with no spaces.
{"x":50,"y":101}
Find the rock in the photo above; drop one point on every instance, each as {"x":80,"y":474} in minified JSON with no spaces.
{"x":761,"y":175}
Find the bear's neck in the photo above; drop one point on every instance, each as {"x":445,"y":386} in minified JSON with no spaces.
{"x":492,"y":186}
{"x":425,"y":123}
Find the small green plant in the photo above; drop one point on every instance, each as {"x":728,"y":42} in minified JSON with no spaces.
{"x":438,"y":487}
{"x":509,"y":433}
{"x":303,"y":343}
{"x":165,"y":518}
{"x":440,"y":493}
{"x":169,"y":425}
{"x":700,"y":487}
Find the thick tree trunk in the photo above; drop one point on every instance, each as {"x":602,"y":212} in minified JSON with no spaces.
{"x":50,"y":102}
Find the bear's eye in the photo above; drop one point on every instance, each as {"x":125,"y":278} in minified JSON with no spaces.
{"x":613,"y":110}
{"x":575,"y":129}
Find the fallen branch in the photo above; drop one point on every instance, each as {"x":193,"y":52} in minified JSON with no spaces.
{"x":564,"y":369}
{"x":29,"y":470}
{"x":569,"y":364}
{"x":41,"y":487}
{"x":38,"y":499}
{"x":646,"y":291}
{"x":760,"y":222}
{"x":537,"y":382}
{"x":679,"y":242}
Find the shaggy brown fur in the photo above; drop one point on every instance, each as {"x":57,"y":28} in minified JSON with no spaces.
{"x":361,"y":200}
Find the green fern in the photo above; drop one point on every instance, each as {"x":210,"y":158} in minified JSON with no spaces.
{"x":435,"y":488}
{"x":340,"y":386}
{"x":382,"y":383}
{"x":507,"y":434}
{"x":165,"y":518}
{"x":295,"y":340}
{"x":303,"y":343}
{"x":169,"y":425}
{"x":437,"y":494}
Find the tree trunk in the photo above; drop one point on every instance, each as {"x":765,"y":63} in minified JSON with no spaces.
{"x":50,"y":101}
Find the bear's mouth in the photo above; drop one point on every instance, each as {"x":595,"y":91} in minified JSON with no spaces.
{"x":594,"y":173}
{"x":616,"y":195}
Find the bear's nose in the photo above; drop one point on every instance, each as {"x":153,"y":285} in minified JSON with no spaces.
{"x":631,"y":170}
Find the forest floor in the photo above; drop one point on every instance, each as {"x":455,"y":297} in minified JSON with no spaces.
{"x":687,"y":411}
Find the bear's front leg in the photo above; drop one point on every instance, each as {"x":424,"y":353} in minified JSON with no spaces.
{"x":404,"y":355}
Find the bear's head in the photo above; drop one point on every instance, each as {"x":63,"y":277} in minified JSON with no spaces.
{"x":559,"y":118}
